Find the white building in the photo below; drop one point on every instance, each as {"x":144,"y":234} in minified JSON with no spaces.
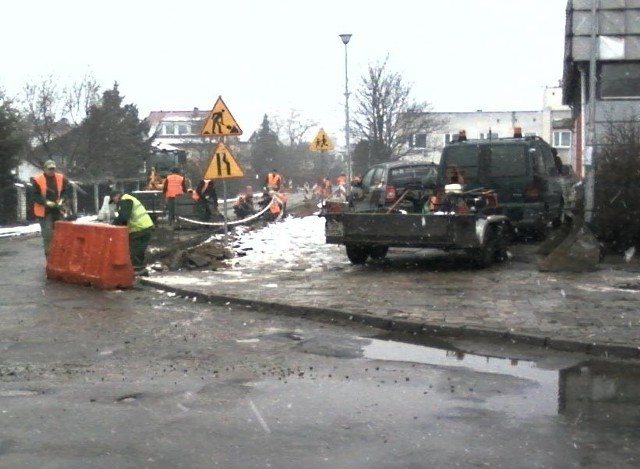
{"x":552,"y":123}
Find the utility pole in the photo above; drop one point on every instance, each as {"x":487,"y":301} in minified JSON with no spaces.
{"x":590,"y":150}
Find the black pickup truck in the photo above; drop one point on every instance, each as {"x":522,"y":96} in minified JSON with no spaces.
{"x":402,"y":204}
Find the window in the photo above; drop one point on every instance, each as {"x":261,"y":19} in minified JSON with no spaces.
{"x":420,"y":140}
{"x":373,"y":177}
{"x":448,"y":138}
{"x":549,"y":161}
{"x":169,"y":128}
{"x":184,"y":129}
{"x":620,"y":80}
{"x":561,"y":138}
{"x":404,"y":176}
{"x":462,"y":160}
{"x":508,"y":161}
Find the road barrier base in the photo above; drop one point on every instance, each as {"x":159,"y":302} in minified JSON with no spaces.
{"x":92,"y":254}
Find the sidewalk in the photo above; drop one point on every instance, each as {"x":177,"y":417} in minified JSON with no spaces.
{"x":596,"y":313}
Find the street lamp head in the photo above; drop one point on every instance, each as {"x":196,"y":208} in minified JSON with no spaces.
{"x":345,"y":38}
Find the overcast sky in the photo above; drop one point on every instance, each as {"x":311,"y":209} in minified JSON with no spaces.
{"x":271,"y":56}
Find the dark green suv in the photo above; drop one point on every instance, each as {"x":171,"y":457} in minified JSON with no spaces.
{"x":522,"y":170}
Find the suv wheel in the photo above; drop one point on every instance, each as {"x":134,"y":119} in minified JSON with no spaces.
{"x":560,"y":219}
{"x":378,"y":252}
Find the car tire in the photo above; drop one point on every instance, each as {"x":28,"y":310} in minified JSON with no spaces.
{"x":357,"y":254}
{"x":378,"y":252}
{"x":558,"y":221}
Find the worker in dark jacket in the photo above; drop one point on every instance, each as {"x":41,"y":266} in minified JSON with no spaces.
{"x":49,"y":191}
{"x":132,"y":214}
{"x":206,"y":197}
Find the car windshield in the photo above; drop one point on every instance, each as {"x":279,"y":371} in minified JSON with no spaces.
{"x":163,"y":162}
{"x":411,"y":175}
{"x":508,"y":161}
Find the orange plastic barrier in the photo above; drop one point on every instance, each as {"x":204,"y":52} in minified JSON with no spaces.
{"x":90,"y":254}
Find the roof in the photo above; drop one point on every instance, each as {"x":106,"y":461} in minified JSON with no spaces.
{"x":487,"y":141}
{"x":404,"y":164}
{"x":194,"y":115}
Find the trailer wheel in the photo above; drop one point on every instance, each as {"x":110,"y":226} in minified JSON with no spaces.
{"x":357,"y":254}
{"x":502,"y":243}
{"x":378,"y":252}
{"x":485,"y":255}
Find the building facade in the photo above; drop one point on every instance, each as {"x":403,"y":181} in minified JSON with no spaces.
{"x":601,"y":76}
{"x":552,"y":123}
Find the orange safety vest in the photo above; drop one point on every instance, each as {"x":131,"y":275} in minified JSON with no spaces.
{"x":326,"y":187}
{"x":41,"y":180}
{"x":273,"y":180}
{"x":174,"y":185}
{"x":279,"y":202}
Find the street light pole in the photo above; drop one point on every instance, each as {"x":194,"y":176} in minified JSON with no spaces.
{"x":345,"y":40}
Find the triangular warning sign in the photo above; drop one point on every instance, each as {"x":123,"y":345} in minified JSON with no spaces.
{"x":222,"y":164}
{"x":220,"y":122}
{"x":321,"y":142}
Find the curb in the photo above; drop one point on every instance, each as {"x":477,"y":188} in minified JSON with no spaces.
{"x":411,"y":327}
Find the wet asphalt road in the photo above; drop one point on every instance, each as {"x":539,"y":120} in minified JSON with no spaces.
{"x":132,"y":379}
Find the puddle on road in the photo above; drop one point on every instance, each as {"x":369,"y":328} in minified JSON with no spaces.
{"x":399,"y":351}
{"x":542,"y":396}
{"x":595,"y":390}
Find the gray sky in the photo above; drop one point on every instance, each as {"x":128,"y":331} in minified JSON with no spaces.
{"x":271,"y":56}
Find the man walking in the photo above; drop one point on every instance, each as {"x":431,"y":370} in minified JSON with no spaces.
{"x":49,"y":191}
{"x":132,"y":214}
{"x":175,"y":184}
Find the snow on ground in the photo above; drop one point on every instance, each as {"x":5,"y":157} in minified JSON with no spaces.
{"x":292,"y":245}
{"x":6,"y":232}
{"x":295,"y":244}
{"x":19,"y":230}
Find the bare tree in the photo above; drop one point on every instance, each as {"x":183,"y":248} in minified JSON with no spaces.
{"x":79,"y":97}
{"x":51,"y":110}
{"x":43,"y":108}
{"x":386,"y":114}
{"x":293,"y":128}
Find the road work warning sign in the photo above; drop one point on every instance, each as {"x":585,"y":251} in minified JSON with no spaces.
{"x":220,"y":122}
{"x":222,"y":164}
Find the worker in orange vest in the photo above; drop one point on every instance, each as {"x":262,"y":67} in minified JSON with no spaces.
{"x":273,"y":181}
{"x":326,"y":187}
{"x":49,"y":189}
{"x":174,"y":185}
{"x":341,"y":180}
{"x":278,"y":205}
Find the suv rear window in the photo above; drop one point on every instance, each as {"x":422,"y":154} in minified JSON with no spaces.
{"x":463,"y":160}
{"x":411,"y":175}
{"x":508,"y":161}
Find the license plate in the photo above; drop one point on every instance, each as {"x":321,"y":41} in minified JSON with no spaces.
{"x":334,"y":228}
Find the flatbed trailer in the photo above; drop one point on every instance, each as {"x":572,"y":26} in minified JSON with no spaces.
{"x":484,"y":235}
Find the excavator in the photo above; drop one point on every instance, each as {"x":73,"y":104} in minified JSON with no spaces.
{"x":159,"y":163}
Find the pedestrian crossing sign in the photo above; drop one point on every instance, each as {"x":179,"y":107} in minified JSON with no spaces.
{"x":220,"y":122}
{"x":222,"y":164}
{"x":321,"y":142}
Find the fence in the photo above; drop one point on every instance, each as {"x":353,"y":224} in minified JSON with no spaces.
{"x":16,"y":199}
